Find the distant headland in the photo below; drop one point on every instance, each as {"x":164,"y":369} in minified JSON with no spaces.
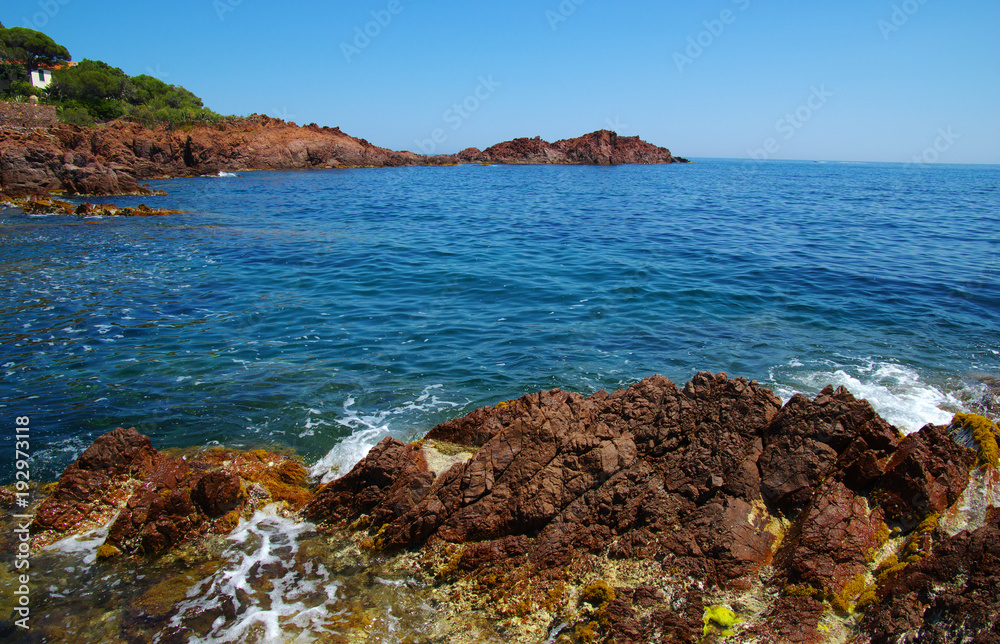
{"x":115,"y":158}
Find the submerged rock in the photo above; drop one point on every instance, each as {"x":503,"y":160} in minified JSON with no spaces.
{"x":86,"y":209}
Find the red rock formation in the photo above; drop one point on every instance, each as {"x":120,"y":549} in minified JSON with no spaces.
{"x":36,"y":162}
{"x":713,"y":482}
{"x":953,"y":595}
{"x":597,"y":148}
{"x":689,"y":497}
{"x":160,"y":500}
{"x":113,"y":159}
{"x":615,"y":471}
{"x":618,"y":471}
{"x":96,"y":484}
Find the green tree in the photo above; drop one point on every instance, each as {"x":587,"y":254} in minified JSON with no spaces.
{"x":31,"y":48}
{"x":157,"y":102}
{"x":95,"y":85}
{"x":155,"y":94}
{"x":91,"y":80}
{"x":12,"y":72}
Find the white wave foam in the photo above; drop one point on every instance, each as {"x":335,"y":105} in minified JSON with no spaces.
{"x":226,"y":174}
{"x":368,"y":430}
{"x":86,"y":543}
{"x":271,"y":593}
{"x":895,"y":391}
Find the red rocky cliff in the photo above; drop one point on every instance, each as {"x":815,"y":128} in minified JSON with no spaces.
{"x":115,"y":158}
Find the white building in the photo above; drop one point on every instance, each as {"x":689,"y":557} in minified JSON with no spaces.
{"x":42,"y":77}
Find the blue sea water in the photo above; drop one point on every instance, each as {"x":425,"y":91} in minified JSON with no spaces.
{"x":322,"y":310}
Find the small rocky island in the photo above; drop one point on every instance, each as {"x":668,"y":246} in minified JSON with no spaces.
{"x":656,"y":513}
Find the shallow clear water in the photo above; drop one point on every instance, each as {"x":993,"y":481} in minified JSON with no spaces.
{"x":325,"y":309}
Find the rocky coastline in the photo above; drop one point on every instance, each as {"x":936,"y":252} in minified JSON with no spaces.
{"x":116,"y":158}
{"x":656,"y":513}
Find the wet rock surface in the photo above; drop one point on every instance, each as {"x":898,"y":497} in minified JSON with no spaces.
{"x":156,"y":502}
{"x":656,"y":513}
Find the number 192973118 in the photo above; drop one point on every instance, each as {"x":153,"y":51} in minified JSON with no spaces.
{"x":22,"y":460}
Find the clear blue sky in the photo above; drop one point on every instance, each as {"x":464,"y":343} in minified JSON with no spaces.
{"x":866,"y":80}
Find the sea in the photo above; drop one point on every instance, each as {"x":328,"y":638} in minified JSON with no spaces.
{"x":320,"y":311}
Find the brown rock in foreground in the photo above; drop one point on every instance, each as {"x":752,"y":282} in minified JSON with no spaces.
{"x":711,"y":495}
{"x":162,"y":501}
{"x":651,"y":514}
{"x":951,"y":596}
{"x":92,"y":488}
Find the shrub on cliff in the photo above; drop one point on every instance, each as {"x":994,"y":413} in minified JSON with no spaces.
{"x":11,"y":73}
{"x":21,"y":89}
{"x":22,"y":50}
{"x":76,"y":116}
{"x":158,"y":102}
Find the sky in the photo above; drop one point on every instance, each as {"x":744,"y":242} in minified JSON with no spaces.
{"x":853,"y":80}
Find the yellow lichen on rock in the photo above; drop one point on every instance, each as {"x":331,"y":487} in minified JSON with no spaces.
{"x":984,"y":432}
{"x":852,"y":590}
{"x":867,"y":598}
{"x":106,"y":551}
{"x":800,"y":590}
{"x":598,"y":594}
{"x":929,"y":523}
{"x":719,"y":619}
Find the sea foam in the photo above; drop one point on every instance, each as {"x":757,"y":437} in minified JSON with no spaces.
{"x":370,"y":428}
{"x":895,"y":391}
{"x":262,"y":593}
